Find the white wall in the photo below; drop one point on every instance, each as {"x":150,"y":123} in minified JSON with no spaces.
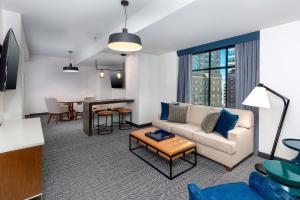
{"x":13,"y":100}
{"x":168,"y":71}
{"x":45,"y":78}
{"x":132,"y":84}
{"x":150,"y":79}
{"x":149,"y":90}
{"x":142,"y":84}
{"x":280,"y":70}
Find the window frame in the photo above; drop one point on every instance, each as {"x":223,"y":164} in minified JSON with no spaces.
{"x":209,"y":69}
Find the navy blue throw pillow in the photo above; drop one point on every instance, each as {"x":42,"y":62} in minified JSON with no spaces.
{"x":226,"y":122}
{"x":164,"y":111}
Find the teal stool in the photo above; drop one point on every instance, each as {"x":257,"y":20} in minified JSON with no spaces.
{"x":286,"y":174}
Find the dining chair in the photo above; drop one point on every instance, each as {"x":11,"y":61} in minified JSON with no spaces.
{"x":79,"y":107}
{"x":55,"y":109}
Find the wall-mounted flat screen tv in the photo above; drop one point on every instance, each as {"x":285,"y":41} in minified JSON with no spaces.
{"x":117,"y":81}
{"x":9,"y":62}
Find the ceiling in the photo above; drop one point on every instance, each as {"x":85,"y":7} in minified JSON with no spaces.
{"x":52,"y":27}
{"x":105,"y":59}
{"x":205,"y":21}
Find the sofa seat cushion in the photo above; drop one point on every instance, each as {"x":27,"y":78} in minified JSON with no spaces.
{"x":164,"y":125}
{"x":185,"y":130}
{"x":216,"y":141}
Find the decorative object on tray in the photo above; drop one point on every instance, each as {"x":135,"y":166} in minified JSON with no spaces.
{"x":160,"y":135}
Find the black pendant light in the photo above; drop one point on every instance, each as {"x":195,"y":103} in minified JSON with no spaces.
{"x":124,"y":41}
{"x":70,"y":68}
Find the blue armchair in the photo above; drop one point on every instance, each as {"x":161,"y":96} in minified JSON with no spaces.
{"x":260,"y":188}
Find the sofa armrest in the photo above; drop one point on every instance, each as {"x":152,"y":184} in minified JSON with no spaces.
{"x":238,"y":133}
{"x":243,"y":137}
{"x":267,"y":188}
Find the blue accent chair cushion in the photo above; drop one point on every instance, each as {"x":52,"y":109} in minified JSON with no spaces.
{"x":260,"y":188}
{"x":231,"y":191}
{"x":226,"y":122}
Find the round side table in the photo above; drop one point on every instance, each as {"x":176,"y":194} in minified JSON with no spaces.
{"x":286,"y":174}
{"x":295,"y":145}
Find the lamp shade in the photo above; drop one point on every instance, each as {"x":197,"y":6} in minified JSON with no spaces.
{"x":124,"y":41}
{"x":70,"y":68}
{"x":258,"y":98}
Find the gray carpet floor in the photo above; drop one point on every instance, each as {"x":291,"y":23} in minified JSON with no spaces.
{"x":78,"y":167}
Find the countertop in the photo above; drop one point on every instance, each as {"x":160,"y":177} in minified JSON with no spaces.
{"x":21,"y":134}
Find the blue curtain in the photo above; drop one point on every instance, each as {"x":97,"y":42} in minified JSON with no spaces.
{"x":247,"y":77}
{"x":184,"y":79}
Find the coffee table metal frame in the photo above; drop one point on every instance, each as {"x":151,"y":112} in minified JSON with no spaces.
{"x":170,"y":176}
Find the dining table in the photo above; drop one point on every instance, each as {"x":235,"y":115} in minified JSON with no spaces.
{"x":70,"y":103}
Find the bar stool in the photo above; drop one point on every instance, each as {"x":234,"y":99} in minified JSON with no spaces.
{"x":95,"y":110}
{"x":104,"y":129}
{"x":124,"y":112}
{"x":116,"y":110}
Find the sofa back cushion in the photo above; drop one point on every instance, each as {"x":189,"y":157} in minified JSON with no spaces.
{"x":246,"y":117}
{"x":197,"y":113}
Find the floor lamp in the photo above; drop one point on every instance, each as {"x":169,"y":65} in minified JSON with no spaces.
{"x":259,"y":98}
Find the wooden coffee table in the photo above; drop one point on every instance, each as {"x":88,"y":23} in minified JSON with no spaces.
{"x":170,"y":149}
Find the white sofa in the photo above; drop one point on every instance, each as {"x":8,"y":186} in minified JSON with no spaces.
{"x":228,"y":152}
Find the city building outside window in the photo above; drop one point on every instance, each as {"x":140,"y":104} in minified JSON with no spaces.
{"x":213,"y":78}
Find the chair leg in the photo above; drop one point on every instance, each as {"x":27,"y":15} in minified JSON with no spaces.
{"x":130,"y":120}
{"x":98,"y":123}
{"x":105,"y":121}
{"x":119,"y":120}
{"x":93,"y":119}
{"x":50,"y":116}
{"x":112,"y":123}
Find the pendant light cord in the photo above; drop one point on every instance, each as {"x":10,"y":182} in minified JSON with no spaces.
{"x":70,"y":56}
{"x":125,"y":16}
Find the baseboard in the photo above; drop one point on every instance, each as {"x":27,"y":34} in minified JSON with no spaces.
{"x":267,"y":156}
{"x":36,"y":114}
{"x":139,"y":126}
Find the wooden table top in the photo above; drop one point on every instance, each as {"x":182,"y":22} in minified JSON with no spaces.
{"x":70,"y":101}
{"x":171,"y":147}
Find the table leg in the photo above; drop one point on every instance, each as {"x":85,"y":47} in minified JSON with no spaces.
{"x":170,"y":168}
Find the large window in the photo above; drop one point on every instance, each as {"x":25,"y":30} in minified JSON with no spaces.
{"x":213,"y":78}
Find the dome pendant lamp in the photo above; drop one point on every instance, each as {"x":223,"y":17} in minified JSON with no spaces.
{"x":70,"y":68}
{"x":124,"y":41}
